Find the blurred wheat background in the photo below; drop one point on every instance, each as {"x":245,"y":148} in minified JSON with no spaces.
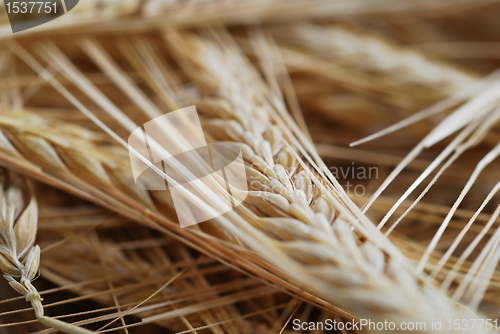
{"x":313,"y":92}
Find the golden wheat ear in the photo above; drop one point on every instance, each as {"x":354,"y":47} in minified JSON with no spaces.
{"x":19,"y":256}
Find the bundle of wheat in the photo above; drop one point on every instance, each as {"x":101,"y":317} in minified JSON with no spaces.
{"x":296,"y":218}
{"x":70,"y":100}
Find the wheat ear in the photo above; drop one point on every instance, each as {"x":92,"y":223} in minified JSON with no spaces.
{"x":19,"y":256}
